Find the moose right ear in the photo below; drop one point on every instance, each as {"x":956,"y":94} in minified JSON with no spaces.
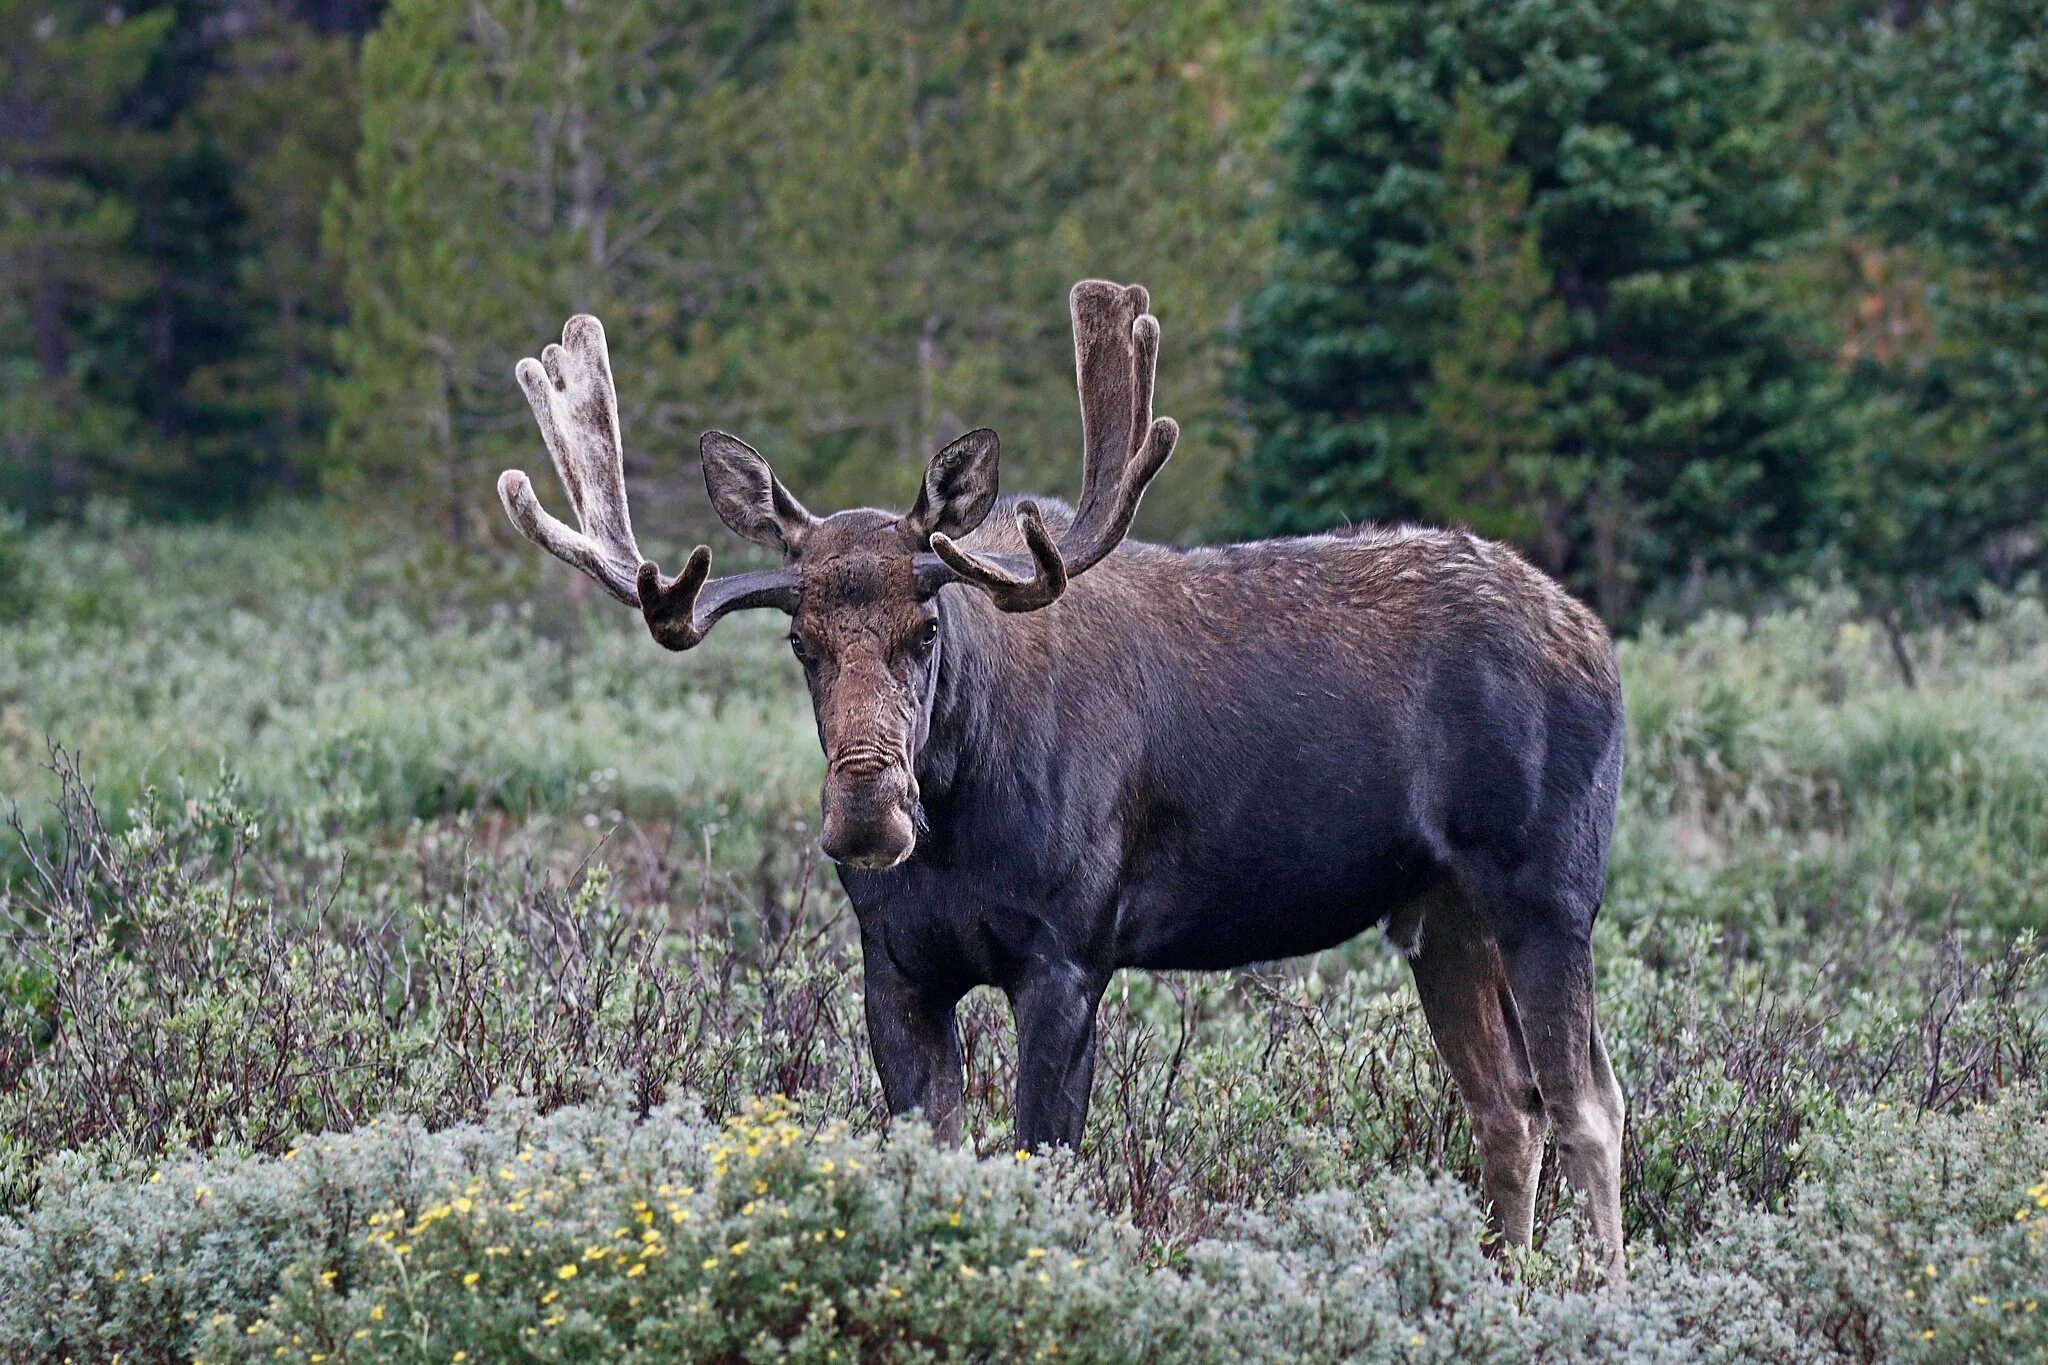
{"x":749,"y":498}
{"x":959,"y":488}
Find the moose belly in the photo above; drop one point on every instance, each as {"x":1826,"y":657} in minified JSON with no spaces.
{"x":1305,"y":850}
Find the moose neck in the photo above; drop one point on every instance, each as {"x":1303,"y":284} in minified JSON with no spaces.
{"x":964,"y":711}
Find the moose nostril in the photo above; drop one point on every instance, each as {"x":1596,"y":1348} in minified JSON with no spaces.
{"x":875,"y":857}
{"x":867,"y":835}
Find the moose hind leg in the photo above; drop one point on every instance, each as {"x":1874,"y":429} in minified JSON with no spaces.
{"x":1464,"y":991}
{"x":1550,"y":974}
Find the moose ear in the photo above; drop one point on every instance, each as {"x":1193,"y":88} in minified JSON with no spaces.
{"x":749,"y":498}
{"x":959,"y":488}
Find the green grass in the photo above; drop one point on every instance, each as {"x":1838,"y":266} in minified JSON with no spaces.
{"x":383,"y":835}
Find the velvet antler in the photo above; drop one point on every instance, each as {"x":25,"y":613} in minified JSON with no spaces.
{"x":1116,"y":357}
{"x":571,"y":393}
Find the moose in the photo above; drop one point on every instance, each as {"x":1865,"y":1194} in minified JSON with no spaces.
{"x":1052,"y":752}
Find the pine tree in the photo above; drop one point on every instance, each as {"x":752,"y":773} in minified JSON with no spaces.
{"x":1952,"y":135}
{"x":519,"y":163}
{"x":281,"y":109}
{"x":1492,"y":464}
{"x":65,"y":249}
{"x":935,"y":175}
{"x":1686,"y":414}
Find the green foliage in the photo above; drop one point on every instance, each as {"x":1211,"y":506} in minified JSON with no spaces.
{"x":1683,"y":417}
{"x":518,"y":165}
{"x":165,"y":299}
{"x":442,"y":896}
{"x":1681,"y":299}
{"x":845,"y":233}
{"x":281,"y":110}
{"x":65,"y":229}
{"x":933,"y":179}
{"x":1947,"y":122}
{"x":379,"y":702}
{"x":598,"y":1232}
{"x":1491,"y":464}
{"x":19,"y":570}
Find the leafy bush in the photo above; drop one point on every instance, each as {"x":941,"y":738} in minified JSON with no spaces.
{"x":596,"y":1233}
{"x":166,"y":998}
{"x":17,"y":567}
{"x":446,"y":938}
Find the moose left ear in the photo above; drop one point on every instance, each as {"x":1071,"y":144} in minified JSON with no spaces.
{"x":959,"y":488}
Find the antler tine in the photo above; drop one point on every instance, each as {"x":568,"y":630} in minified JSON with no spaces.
{"x":570,"y":391}
{"x":681,"y":611}
{"x":1116,"y":358}
{"x":1009,"y":591}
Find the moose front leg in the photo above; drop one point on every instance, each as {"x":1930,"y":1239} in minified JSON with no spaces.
{"x":1055,"y":1011}
{"x":915,"y":1046}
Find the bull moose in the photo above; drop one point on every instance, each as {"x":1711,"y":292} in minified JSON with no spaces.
{"x":1051,"y":752}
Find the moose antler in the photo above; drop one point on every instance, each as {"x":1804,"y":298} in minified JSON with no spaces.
{"x":571,"y":393}
{"x":1116,"y":357}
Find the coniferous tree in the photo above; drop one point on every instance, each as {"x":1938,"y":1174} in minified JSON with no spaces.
{"x":66,"y":262}
{"x":521,"y":162}
{"x":1949,"y":138}
{"x":1493,"y":462}
{"x":1687,"y":416}
{"x":281,"y":109}
{"x":932,"y":179}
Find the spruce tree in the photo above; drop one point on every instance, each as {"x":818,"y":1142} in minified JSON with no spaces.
{"x":934,"y":176}
{"x":1669,"y":416}
{"x":520,"y":163}
{"x":66,"y":254}
{"x":1492,"y":462}
{"x":1950,"y":139}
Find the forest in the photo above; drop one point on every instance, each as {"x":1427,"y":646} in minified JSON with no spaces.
{"x":402,"y":958}
{"x":1688,"y":302}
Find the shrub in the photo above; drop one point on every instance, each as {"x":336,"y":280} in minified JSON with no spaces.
{"x":414,"y":909}
{"x":597,"y":1233}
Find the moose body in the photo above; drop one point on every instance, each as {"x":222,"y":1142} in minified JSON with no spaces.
{"x":1052,"y":753}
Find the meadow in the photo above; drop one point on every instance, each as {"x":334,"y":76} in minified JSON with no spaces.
{"x":402,"y":958}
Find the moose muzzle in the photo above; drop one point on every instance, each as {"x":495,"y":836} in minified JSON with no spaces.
{"x":868,"y":821}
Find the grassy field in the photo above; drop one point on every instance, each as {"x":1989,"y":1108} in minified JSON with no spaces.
{"x":350,"y":838}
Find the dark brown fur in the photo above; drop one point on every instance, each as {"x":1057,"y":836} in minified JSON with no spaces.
{"x":1052,"y":753}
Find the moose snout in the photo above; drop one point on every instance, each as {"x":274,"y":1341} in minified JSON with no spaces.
{"x":868,"y":820}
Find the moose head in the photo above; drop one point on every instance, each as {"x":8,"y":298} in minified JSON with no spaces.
{"x":862,"y":587}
